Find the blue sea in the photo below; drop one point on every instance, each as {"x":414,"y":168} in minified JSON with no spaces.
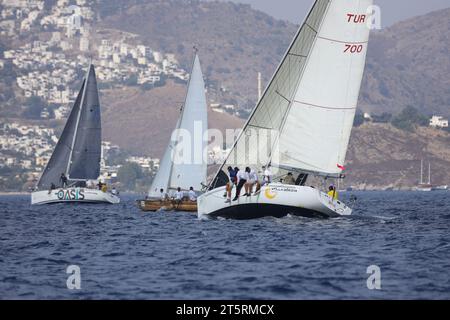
{"x":124,"y":253}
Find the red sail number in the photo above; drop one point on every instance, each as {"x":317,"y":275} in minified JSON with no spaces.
{"x":354,"y":48}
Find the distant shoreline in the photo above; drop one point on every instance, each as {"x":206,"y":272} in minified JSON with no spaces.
{"x":2,"y":193}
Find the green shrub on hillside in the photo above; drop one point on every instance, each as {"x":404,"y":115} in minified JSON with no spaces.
{"x":409,"y":119}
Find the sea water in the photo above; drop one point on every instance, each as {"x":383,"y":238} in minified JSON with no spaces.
{"x":395,"y":246}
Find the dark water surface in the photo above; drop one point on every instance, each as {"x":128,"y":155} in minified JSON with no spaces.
{"x":126,"y":254}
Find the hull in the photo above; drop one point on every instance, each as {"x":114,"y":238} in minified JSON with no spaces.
{"x":169,"y":205}
{"x":275,"y":200}
{"x":81,"y":195}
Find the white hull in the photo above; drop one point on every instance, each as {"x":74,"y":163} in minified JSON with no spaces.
{"x":81,"y":195}
{"x":276,"y":200}
{"x":424,"y":189}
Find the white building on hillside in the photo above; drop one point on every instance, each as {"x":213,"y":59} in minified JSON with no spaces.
{"x":438,"y":122}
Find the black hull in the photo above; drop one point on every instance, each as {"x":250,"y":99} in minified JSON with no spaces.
{"x":256,"y":211}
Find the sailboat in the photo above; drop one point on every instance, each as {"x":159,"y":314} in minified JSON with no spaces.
{"x":174,"y":171}
{"x":426,"y":187}
{"x":309,"y":108}
{"x":77,"y":154}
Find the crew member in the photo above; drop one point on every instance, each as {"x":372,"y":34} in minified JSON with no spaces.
{"x":232,"y":181}
{"x":192,"y":195}
{"x":179,"y":195}
{"x":332,"y":192}
{"x":63,"y":180}
{"x":289,"y":179}
{"x":252,"y":180}
{"x":242,"y":177}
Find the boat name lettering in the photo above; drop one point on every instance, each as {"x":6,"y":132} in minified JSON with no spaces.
{"x":284,"y":189}
{"x":71,"y":194}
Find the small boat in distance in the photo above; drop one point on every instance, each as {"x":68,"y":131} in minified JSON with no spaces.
{"x":425,"y":187}
{"x":308,"y":107}
{"x":175,"y":173}
{"x":76,"y":157}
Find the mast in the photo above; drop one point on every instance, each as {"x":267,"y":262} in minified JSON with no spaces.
{"x":421,"y":171}
{"x":429,"y":173}
{"x":78,"y":122}
{"x":259,"y":86}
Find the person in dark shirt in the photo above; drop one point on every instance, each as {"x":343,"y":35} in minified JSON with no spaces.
{"x":63,"y":180}
{"x":232,"y":173}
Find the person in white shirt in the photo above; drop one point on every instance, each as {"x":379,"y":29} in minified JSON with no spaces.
{"x":179,"y":195}
{"x":267,"y":178}
{"x":242,"y":177}
{"x":192,"y":195}
{"x":252,"y":181}
{"x":163,"y":195}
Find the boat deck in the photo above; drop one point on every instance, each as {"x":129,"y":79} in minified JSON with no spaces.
{"x":168,"y":205}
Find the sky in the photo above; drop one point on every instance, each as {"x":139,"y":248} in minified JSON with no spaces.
{"x":392,"y":11}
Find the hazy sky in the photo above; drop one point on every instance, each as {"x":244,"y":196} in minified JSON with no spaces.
{"x":392,"y":10}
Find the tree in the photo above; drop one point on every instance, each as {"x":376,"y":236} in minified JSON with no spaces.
{"x":409,"y":119}
{"x":132,"y":80}
{"x":383,"y":118}
{"x":35,"y":106}
{"x":359,"y":120}
{"x":128,"y":174}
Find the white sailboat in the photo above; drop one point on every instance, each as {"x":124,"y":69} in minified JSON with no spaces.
{"x":425,"y":187}
{"x":310,"y":103}
{"x":77,"y":154}
{"x":175,"y":172}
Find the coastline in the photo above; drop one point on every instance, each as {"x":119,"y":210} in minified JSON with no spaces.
{"x":14,"y":193}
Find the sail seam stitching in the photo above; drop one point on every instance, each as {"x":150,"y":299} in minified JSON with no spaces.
{"x":340,"y":41}
{"x":325,"y":107}
{"x":276,"y":91}
{"x":297,"y":55}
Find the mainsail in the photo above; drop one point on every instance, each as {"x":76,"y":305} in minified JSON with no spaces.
{"x":77,"y":153}
{"x":86,"y":151}
{"x":190,"y":169}
{"x":310,"y":103}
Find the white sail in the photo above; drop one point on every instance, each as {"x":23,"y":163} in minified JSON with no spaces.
{"x":162,"y":178}
{"x":184,"y":165}
{"x":310,"y":103}
{"x":317,"y":130}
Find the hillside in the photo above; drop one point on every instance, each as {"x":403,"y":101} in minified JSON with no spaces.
{"x":380,"y":155}
{"x":142,"y":121}
{"x":409,"y":64}
{"x":235,"y":41}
